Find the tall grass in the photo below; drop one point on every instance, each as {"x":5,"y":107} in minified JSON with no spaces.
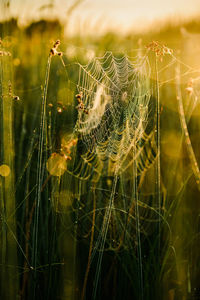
{"x":9,"y":242}
{"x":91,"y":233}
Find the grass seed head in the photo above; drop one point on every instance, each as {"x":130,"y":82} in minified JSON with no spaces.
{"x":16,"y":98}
{"x":159,"y":49}
{"x":54,"y":51}
{"x":56,"y":44}
{"x":59,"y":110}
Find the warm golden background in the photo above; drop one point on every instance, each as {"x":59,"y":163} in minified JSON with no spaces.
{"x":54,"y":196}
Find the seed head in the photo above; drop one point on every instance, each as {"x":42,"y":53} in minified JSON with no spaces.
{"x":159,"y":49}
{"x":59,"y":110}
{"x":54,"y":51}
{"x":16,"y":98}
{"x":79,"y":97}
{"x":189,"y":89}
{"x":57,"y":43}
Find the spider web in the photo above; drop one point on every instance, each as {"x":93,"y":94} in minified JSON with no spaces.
{"x":116,"y":128}
{"x":117,"y":94}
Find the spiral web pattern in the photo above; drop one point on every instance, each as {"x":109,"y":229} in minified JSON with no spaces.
{"x":116,"y":93}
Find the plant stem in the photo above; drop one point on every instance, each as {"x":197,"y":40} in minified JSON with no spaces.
{"x":7,"y":195}
{"x":190,"y":150}
{"x":39,"y":172}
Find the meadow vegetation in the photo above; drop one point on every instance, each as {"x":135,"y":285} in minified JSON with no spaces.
{"x":99,"y":163}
